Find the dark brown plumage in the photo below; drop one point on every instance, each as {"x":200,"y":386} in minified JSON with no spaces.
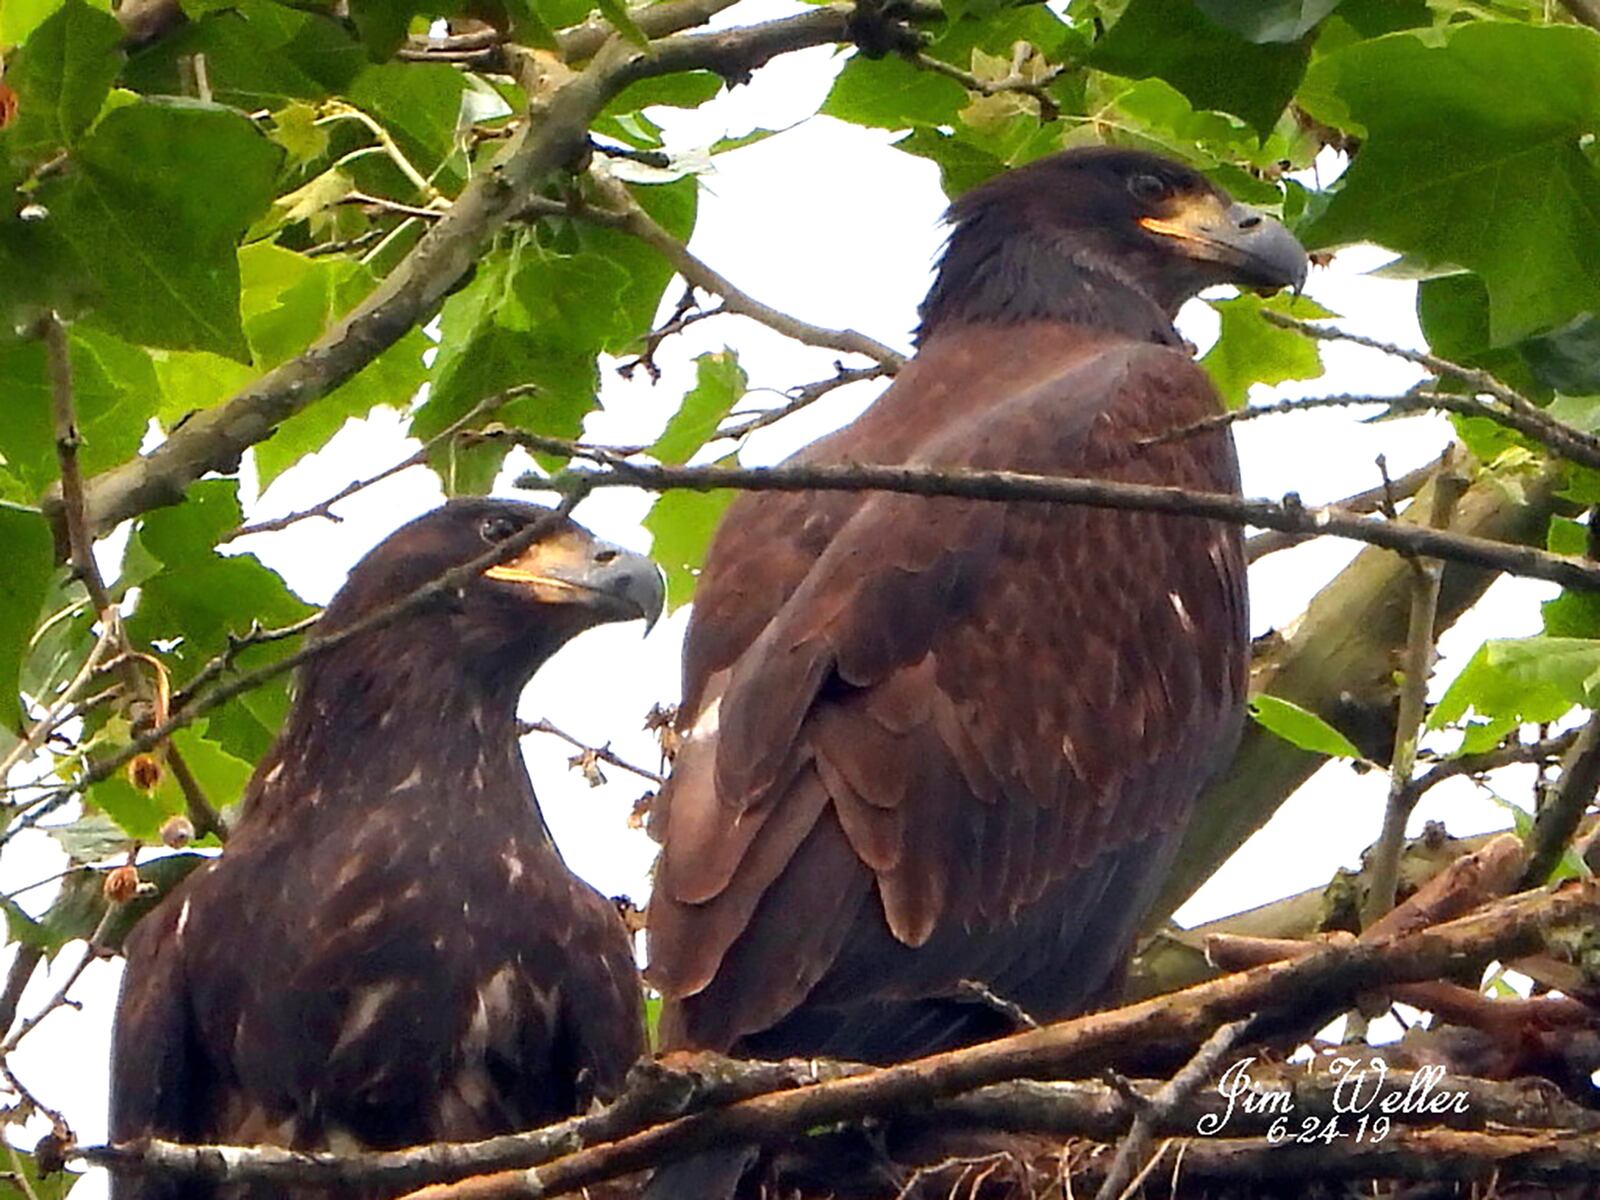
{"x":391,"y":950}
{"x":932,"y":740}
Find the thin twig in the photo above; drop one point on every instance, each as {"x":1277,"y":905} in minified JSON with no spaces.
{"x":324,"y":508}
{"x":1038,"y":89}
{"x":80,"y":543}
{"x":603,"y":753}
{"x":338,"y":111}
{"x":1134,"y":1153}
{"x":1369,"y":501}
{"x":1417,"y":667}
{"x":384,"y":204}
{"x":1513,"y":752}
{"x":1558,"y":818}
{"x":1564,"y":439}
{"x":803,"y":397}
{"x":624,"y":212}
{"x":1289,"y":515}
{"x":199,"y":706}
{"x":62,"y":709}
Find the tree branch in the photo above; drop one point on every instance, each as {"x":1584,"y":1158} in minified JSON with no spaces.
{"x":1558,"y":818}
{"x":213,"y":440}
{"x":623,"y":212}
{"x":313,"y":646}
{"x":1289,"y":515}
{"x":1564,"y":439}
{"x":1426,"y":575}
{"x":1370,"y":501}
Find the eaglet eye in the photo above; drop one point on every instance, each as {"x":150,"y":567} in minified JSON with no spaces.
{"x":497,"y":529}
{"x":1149,"y":188}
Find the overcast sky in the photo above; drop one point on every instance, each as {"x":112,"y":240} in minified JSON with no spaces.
{"x":830,"y":224}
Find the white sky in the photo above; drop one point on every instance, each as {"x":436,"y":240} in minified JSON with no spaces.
{"x":828,"y":223}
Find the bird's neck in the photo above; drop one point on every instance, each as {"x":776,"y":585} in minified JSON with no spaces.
{"x":1029,"y":276}
{"x":403,"y":724}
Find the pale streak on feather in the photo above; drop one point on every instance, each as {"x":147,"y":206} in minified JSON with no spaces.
{"x":363,"y":1012}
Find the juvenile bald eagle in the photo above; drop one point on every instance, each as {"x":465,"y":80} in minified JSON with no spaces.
{"x":391,"y":950}
{"x":934,"y":741}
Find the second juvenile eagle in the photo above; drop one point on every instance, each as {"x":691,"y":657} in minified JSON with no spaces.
{"x":392,"y":951}
{"x":930,"y":743}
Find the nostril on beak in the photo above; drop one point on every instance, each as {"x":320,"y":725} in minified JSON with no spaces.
{"x":1251,"y":221}
{"x":607,"y":555}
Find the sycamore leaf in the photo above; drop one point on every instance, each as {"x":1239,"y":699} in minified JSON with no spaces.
{"x":720,"y":384}
{"x":1473,"y":156}
{"x":1301,"y":727}
{"x":681,"y":524}
{"x":1251,"y":351}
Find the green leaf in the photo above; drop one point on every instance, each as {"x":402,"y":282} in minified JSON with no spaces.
{"x":114,"y":391}
{"x":79,"y":908}
{"x":1566,"y":536}
{"x":532,"y":314}
{"x":1300,"y":727}
{"x":419,"y":103}
{"x":961,"y":165}
{"x":719,"y":384}
{"x":198,"y":597}
{"x":616,"y":12}
{"x":890,"y":93}
{"x":686,"y":89}
{"x":30,"y":562}
{"x":1472,"y":157}
{"x":1528,"y":680}
{"x":1250,"y":351}
{"x":1272,"y":21}
{"x":258,"y":55}
{"x":91,"y":838}
{"x":19,"y":18}
{"x":288,"y":301}
{"x":1453,"y":311}
{"x":160,"y":194}
{"x":54,"y":1186}
{"x":1567,"y":359}
{"x":1173,"y":40}
{"x":62,"y":76}
{"x":681,"y":524}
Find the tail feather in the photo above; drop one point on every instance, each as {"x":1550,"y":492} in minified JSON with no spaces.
{"x":713,"y":1175}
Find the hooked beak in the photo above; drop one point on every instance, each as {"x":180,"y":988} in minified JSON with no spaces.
{"x":613,"y":583}
{"x":1255,"y":250}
